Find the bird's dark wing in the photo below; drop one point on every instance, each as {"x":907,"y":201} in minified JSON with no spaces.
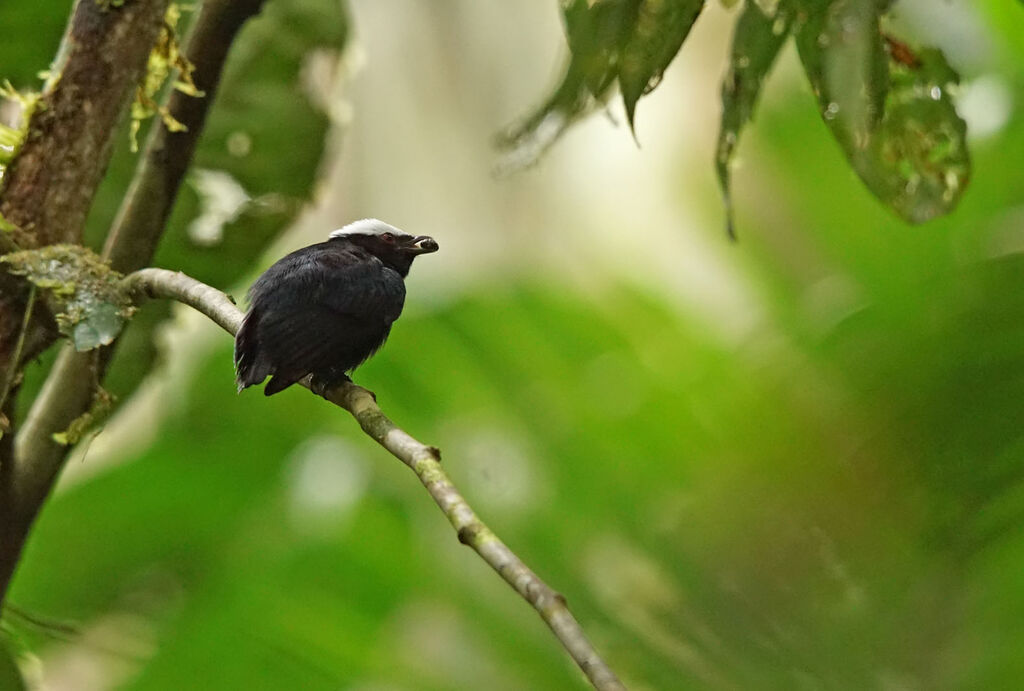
{"x":349,"y":280}
{"x":320,"y":310}
{"x":315,"y":340}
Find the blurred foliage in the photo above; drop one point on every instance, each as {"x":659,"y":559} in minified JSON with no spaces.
{"x":831,"y":502}
{"x":32,"y":33}
{"x":10,"y":677}
{"x":909,"y":149}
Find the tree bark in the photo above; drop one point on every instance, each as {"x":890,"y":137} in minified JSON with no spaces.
{"x":49,"y":185}
{"x":130,"y":245}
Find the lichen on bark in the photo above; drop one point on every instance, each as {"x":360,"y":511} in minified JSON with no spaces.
{"x":165,"y":58}
{"x":85,"y":295}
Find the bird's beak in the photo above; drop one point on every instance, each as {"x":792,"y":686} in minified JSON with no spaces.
{"x":422,"y":244}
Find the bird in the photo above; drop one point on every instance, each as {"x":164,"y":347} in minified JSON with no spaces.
{"x":324,"y":309}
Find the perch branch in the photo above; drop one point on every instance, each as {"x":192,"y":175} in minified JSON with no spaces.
{"x":424,"y":460}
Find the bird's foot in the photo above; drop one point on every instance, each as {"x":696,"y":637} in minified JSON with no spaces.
{"x":321,"y":386}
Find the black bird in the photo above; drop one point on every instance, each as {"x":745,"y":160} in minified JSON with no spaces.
{"x":324,"y":309}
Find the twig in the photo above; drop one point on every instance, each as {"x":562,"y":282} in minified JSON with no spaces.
{"x":19,"y":347}
{"x":142,"y":217}
{"x":424,"y":461}
{"x":53,"y":627}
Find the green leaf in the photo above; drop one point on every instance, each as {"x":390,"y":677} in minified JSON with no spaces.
{"x":756,"y":43}
{"x":896,"y":122}
{"x":661,"y":27}
{"x":632,"y":41}
{"x":841,"y":47}
{"x":919,"y":162}
{"x":10,"y":676}
{"x":597,"y":31}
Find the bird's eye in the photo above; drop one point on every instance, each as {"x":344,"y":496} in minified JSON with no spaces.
{"x":387,"y":237}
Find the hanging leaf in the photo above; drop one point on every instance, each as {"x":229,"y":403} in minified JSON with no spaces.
{"x":755,"y":45}
{"x":918,"y":161}
{"x":596,"y":31}
{"x":890,"y":110}
{"x":629,"y":41}
{"x":841,"y":47}
{"x":661,"y":27}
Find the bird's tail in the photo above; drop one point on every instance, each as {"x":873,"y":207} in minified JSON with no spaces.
{"x":251,"y":364}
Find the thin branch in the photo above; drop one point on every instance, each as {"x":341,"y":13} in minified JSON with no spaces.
{"x":37,"y":456}
{"x":141,"y":219}
{"x":19,"y":349}
{"x":55,"y":628}
{"x":424,"y":460}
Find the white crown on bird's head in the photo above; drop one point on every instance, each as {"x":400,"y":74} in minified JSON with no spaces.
{"x":367,"y":226}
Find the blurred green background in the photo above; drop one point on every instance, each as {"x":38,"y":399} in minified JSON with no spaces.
{"x":795,"y":462}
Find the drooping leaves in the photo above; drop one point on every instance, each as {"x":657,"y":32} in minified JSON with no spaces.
{"x":595,"y":33}
{"x":890,"y":110}
{"x":626,"y":41}
{"x":661,"y":27}
{"x":893,"y":117}
{"x":756,"y":42}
